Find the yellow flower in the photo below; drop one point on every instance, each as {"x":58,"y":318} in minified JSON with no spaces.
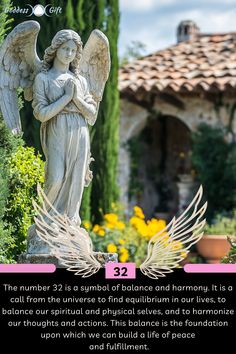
{"x":134,"y":220}
{"x":155,"y":226}
{"x":176,"y":245}
{"x":121,"y":241}
{"x":165,"y":239}
{"x":111,"y":218}
{"x":124,"y":257}
{"x":138,"y":212}
{"x":111,"y":248}
{"x":101,"y":232}
{"x":184,"y":254}
{"x":162,"y":224}
{"x":109,"y":226}
{"x":87,"y":225}
{"x":142,"y":230}
{"x":139,"y":225}
{"x":123,"y":250}
{"x":96,"y":228}
{"x":120,"y":225}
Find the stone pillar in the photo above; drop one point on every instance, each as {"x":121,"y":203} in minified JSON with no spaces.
{"x":187,"y":188}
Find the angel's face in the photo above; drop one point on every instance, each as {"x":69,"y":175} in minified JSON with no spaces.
{"x":66,"y":52}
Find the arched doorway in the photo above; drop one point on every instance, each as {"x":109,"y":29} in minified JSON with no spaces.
{"x":158,"y":156}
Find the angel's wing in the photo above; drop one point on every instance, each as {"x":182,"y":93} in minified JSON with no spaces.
{"x":19,"y":65}
{"x":95,"y":63}
{"x":170,"y":246}
{"x":70,"y":244}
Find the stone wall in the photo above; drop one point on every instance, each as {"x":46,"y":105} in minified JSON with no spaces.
{"x":134,"y":119}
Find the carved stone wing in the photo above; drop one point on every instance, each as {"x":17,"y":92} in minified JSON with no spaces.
{"x":95,"y":63}
{"x":19,"y":64}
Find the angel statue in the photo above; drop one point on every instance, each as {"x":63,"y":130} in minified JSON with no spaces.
{"x":66,"y":88}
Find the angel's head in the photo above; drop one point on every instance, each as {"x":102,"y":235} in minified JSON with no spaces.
{"x":60,"y":42}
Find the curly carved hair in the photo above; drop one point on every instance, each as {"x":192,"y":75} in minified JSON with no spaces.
{"x":60,"y":38}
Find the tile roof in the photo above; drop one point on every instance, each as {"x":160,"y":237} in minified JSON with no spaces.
{"x":207,"y":63}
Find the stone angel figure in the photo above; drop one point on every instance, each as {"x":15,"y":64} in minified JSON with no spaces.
{"x":66,"y":88}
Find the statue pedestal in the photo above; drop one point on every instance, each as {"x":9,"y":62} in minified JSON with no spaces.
{"x":38,"y":251}
{"x":44,"y":258}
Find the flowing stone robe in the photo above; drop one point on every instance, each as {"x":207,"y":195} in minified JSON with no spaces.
{"x":65,"y":141}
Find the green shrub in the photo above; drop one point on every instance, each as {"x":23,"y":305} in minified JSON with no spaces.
{"x":6,"y":240}
{"x":128,"y":238}
{"x":25,"y":171}
{"x":231,"y":257}
{"x":7,"y":244}
{"x":222,"y":225}
{"x":214,"y":160}
{"x":225,"y":225}
{"x":8,"y":141}
{"x":8,"y":145}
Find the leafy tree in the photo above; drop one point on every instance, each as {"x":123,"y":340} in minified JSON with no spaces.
{"x":4,"y":20}
{"x":25,"y":171}
{"x":105,"y":16}
{"x":20,"y":171}
{"x":134,"y":50}
{"x":215,"y":162}
{"x":7,"y":144}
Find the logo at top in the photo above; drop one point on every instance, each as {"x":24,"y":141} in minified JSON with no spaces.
{"x":37,"y":10}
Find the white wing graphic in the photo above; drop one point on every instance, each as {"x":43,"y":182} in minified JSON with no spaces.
{"x":70,"y":244}
{"x":169,"y":246}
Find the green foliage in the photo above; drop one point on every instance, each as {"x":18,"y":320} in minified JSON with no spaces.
{"x":222,"y":225}
{"x":20,"y":171}
{"x":4,"y":20}
{"x":8,"y":142}
{"x":214,"y":160}
{"x":85,"y":210}
{"x":70,"y":14}
{"x":134,"y":50}
{"x":130,"y":249}
{"x":8,"y":145}
{"x":135,"y":151}
{"x":129,"y":239}
{"x":7,"y":244}
{"x":105,"y":138}
{"x":231,"y":257}
{"x":25,"y":171}
{"x":6,"y":240}
{"x":79,"y":15}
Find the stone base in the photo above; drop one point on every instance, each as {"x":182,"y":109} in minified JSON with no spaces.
{"x":27,"y":258}
{"x":101,"y":257}
{"x":104,"y":258}
{"x":38,"y":251}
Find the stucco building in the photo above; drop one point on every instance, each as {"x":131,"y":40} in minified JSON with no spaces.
{"x":164,"y":97}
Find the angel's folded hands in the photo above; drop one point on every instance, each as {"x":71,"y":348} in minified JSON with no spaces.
{"x":47,"y":112}
{"x":88,"y":110}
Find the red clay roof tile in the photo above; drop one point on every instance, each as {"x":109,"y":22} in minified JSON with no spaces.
{"x":208,"y":61}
